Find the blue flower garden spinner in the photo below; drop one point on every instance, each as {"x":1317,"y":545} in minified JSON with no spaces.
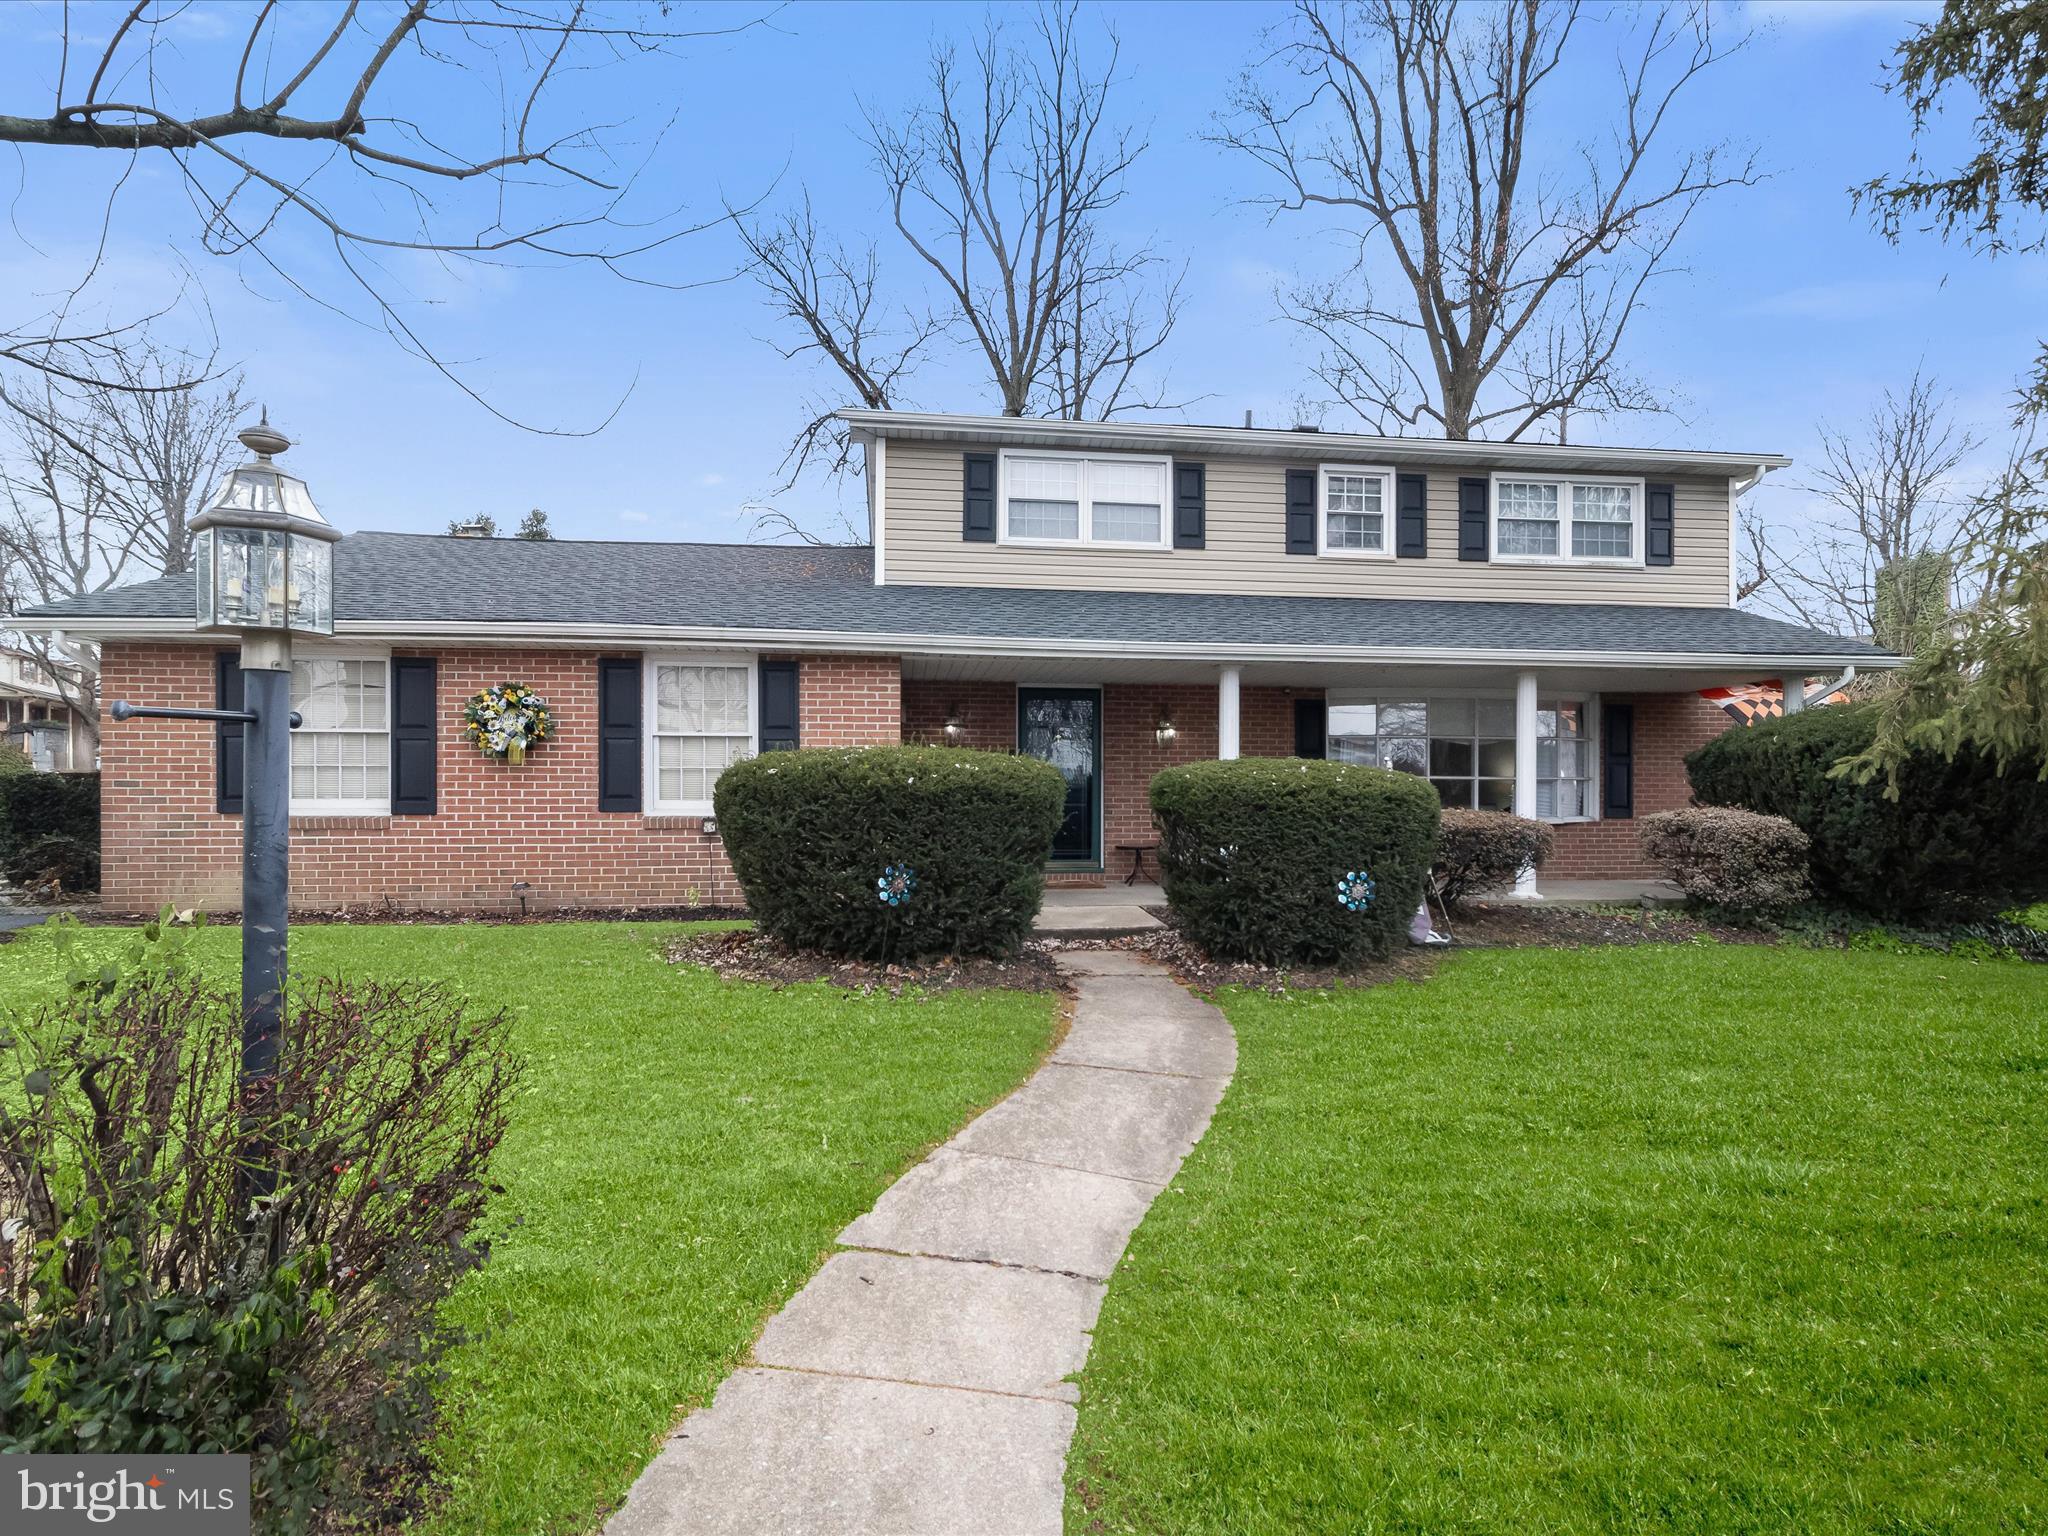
{"x":1355,"y":890}
{"x":896,"y":884}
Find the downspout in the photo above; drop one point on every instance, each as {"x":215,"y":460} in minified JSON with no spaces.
{"x":1819,"y":695}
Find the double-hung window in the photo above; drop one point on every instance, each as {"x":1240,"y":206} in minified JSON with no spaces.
{"x":1466,"y":748}
{"x":701,"y":721}
{"x":341,"y":752}
{"x":1051,"y":498}
{"x":1351,"y":509}
{"x":1565,"y":519}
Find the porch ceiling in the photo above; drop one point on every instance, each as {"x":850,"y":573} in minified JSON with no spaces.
{"x":1066,"y":671}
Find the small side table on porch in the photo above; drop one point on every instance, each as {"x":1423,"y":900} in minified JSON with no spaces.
{"x":1137,"y":851}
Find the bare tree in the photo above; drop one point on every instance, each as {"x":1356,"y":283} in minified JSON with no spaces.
{"x":830,"y":299}
{"x":1488,"y":291}
{"x":1884,"y":494}
{"x":436,"y":136}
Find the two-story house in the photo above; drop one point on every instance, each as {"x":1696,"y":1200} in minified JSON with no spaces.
{"x":1530,"y":627}
{"x":36,"y":717}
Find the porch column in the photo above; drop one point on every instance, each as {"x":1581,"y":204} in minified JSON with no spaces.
{"x":1227,"y":714}
{"x":1794,"y":689}
{"x":1525,"y":767}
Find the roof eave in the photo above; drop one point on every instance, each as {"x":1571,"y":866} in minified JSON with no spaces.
{"x":1238,"y":442}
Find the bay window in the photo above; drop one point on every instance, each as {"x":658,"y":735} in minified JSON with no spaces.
{"x":341,"y":752}
{"x":700,"y":722}
{"x":1465,"y":747}
{"x":1053,"y":498}
{"x":1567,"y":519}
{"x":1351,"y":510}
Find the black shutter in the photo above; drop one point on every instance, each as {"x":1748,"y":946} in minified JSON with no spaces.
{"x":1473,"y":542}
{"x":1618,"y":761}
{"x":1311,"y":728}
{"x":1657,"y":519}
{"x":618,"y":734}
{"x":978,"y":500}
{"x":227,"y":734}
{"x":1190,"y":505}
{"x":1301,"y":511}
{"x":778,"y":704}
{"x":1411,"y":517}
{"x":413,"y":746}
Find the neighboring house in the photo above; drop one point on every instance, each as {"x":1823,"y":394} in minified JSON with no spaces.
{"x":1529,"y":626}
{"x":34,"y":716}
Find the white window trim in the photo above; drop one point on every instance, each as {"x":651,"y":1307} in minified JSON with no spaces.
{"x":1087,"y":539}
{"x":650,"y":664}
{"x":1334,"y":698}
{"x":381,"y":807}
{"x":1564,"y":556}
{"x":1385,"y":477}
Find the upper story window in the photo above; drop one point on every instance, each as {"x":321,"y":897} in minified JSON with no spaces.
{"x":1567,"y":519}
{"x":1057,"y":498}
{"x":1351,"y":509}
{"x":341,"y":752}
{"x":700,"y":722}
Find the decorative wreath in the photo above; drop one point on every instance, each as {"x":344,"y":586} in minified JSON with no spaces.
{"x":506,"y":720}
{"x":1355,"y":890}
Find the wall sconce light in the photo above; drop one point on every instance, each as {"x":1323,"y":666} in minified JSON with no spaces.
{"x":953,"y":723}
{"x":1164,"y":732}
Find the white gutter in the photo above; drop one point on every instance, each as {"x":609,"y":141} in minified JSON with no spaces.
{"x":1820,"y":694}
{"x":1242,"y":442}
{"x":857,"y":642}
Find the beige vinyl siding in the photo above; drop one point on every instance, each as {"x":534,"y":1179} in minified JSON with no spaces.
{"x":1247,"y":547}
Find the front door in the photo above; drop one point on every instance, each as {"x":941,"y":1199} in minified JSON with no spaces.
{"x":1063,"y":726}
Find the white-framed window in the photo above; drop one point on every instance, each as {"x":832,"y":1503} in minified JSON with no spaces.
{"x":1567,"y":519}
{"x":701,"y":719}
{"x":1353,"y":506}
{"x":341,"y":752}
{"x":1465,"y":746}
{"x":1071,"y":498}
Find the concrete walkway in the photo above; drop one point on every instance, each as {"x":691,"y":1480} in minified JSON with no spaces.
{"x":918,"y":1385}
{"x":1098,"y":912}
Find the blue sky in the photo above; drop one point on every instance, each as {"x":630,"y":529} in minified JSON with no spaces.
{"x":1792,"y":310}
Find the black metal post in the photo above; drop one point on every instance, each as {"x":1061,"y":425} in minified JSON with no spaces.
{"x":266,"y":867}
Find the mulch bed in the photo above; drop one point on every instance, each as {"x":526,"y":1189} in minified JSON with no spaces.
{"x":456,"y":916}
{"x":745,"y":955}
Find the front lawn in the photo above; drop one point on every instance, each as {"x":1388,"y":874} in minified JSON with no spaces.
{"x":1692,"y":1239}
{"x":682,"y":1154}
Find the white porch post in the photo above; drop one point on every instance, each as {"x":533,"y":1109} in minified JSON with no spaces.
{"x":1525,"y":767}
{"x":1795,"y":694}
{"x":1227,"y":714}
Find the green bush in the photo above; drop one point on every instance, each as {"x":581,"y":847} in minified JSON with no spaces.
{"x":1962,"y":841}
{"x":54,"y":866}
{"x":1484,"y":850}
{"x":818,"y":838}
{"x":13,"y":761}
{"x":38,"y":805}
{"x":1729,"y":858}
{"x":1254,"y":852}
{"x":149,"y":1304}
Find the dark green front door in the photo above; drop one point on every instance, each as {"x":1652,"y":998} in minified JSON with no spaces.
{"x":1063,"y":726}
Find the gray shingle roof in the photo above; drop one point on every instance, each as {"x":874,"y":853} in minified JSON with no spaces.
{"x":396,"y":578}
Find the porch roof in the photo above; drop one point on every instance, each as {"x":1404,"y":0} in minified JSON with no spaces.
{"x":422,"y":587}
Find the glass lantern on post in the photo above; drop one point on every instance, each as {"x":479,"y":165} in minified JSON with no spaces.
{"x":264,"y":555}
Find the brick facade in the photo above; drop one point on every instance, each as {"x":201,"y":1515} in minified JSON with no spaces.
{"x":163,"y":840}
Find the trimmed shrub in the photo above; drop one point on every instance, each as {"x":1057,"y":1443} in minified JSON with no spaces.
{"x":57,"y":866}
{"x":39,"y":805}
{"x":1484,"y":850}
{"x":883,"y":853}
{"x":13,"y":761}
{"x":1962,"y":841}
{"x":1729,"y":858}
{"x":1253,"y":854}
{"x":149,"y":1305}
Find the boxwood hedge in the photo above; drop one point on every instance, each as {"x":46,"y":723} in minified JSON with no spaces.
{"x":1961,"y":841}
{"x":1254,"y":852}
{"x":822,"y":838}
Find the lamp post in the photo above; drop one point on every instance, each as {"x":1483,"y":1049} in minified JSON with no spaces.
{"x":263,"y":563}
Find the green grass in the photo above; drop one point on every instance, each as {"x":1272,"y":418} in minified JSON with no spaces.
{"x":681,"y":1155}
{"x":1690,"y":1239}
